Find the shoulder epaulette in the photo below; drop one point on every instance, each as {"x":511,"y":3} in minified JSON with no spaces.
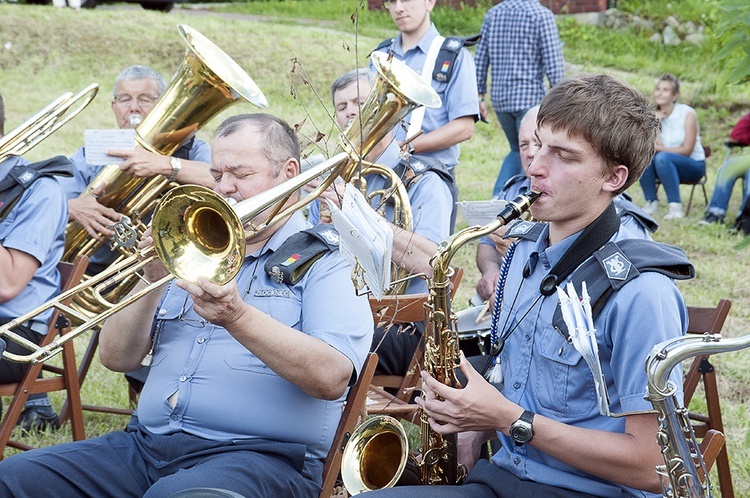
{"x":448,"y":54}
{"x":617,"y":263}
{"x":524,"y":230}
{"x":296,"y":255}
{"x":23,"y":176}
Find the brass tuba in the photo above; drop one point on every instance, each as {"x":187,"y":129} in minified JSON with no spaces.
{"x":44,"y":123}
{"x":198,"y":234}
{"x":683,"y":463}
{"x":206,"y":83}
{"x":363,"y":469}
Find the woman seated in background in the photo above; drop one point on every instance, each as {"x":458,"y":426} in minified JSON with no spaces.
{"x":679,"y":153}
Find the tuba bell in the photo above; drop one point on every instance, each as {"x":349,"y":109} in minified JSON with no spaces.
{"x":207,"y":82}
{"x":198,"y":234}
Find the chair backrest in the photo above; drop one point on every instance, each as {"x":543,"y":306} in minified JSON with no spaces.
{"x":710,"y":426}
{"x":64,"y":378}
{"x":355,"y":402}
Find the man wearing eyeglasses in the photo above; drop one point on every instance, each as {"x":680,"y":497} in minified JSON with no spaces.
{"x":137,"y":89}
{"x":421,"y":47}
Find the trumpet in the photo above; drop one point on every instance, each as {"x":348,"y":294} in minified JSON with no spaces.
{"x":197,"y":233}
{"x":44,"y":123}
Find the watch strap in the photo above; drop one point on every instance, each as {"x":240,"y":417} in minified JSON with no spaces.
{"x":176,"y":164}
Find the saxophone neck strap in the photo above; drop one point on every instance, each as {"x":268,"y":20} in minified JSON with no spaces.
{"x":591,"y":239}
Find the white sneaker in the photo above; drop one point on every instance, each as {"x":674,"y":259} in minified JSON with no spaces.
{"x":675,"y":211}
{"x":651,"y":207}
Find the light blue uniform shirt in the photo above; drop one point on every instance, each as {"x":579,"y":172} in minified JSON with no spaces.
{"x":85,"y":173}
{"x":543,"y":373}
{"x":224,"y":391}
{"x":35,"y":226}
{"x":459,"y":95}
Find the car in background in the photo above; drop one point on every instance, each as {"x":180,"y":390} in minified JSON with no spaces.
{"x":158,"y":5}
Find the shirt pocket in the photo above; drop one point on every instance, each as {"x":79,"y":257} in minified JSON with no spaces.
{"x":168,"y":314}
{"x":283,"y":309}
{"x":564,"y":383}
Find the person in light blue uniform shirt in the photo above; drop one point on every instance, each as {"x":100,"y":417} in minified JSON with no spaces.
{"x":557,"y":438}
{"x":444,"y":128}
{"x":136,"y":90}
{"x":248,"y":379}
{"x":32,"y":239}
{"x":430,"y":203}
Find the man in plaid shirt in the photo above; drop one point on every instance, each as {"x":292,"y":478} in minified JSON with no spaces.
{"x":521,"y":45}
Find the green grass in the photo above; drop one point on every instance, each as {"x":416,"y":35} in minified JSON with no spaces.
{"x":52,"y":51}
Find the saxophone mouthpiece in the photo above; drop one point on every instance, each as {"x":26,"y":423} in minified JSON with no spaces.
{"x":518,"y":206}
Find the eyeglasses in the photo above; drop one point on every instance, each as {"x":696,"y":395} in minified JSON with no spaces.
{"x":144,"y":100}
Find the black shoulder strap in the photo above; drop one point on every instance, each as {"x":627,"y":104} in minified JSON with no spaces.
{"x":296,"y":255}
{"x":420,"y":165}
{"x":617,"y":263}
{"x":385,"y":43}
{"x":22,"y":176}
{"x":524,"y":230}
{"x":513,"y":180}
{"x":592,"y":238}
{"x":448,"y":54}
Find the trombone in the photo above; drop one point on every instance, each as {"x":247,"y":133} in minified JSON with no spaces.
{"x":44,"y":123}
{"x":197,"y":233}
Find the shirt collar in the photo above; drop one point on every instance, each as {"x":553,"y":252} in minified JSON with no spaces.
{"x":296,"y":223}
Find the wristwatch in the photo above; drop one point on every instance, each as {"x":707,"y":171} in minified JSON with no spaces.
{"x":522,"y":430}
{"x":176,"y":164}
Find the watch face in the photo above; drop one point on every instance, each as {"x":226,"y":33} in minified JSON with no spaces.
{"x":521,"y":432}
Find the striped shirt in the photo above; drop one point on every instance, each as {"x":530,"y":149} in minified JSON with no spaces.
{"x":521,"y":45}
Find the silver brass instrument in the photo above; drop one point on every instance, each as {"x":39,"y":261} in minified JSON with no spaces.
{"x":44,"y":123}
{"x":207,"y":82}
{"x":439,"y":463}
{"x":198,"y":234}
{"x":683,"y":463}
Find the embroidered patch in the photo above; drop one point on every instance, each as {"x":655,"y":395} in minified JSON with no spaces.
{"x":417,"y":165}
{"x":26,"y":177}
{"x":291,"y":259}
{"x":617,"y":266}
{"x":453,"y":44}
{"x":520,"y":228}
{"x":331,"y":236}
{"x":446,"y":66}
{"x":276,"y":274}
{"x":272,"y":293}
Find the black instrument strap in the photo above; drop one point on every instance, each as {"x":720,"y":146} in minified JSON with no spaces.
{"x":591,"y":239}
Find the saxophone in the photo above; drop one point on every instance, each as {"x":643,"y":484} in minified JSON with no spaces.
{"x":441,"y":349}
{"x":370,"y":457}
{"x":683,"y":463}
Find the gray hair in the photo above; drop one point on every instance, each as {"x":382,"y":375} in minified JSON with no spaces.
{"x":281,"y":143}
{"x":346,"y":79}
{"x":141,"y":73}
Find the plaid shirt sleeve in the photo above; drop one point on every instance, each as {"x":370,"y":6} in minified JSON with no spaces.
{"x":552,"y":56}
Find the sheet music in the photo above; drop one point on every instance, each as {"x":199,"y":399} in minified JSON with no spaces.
{"x":366,"y":239}
{"x":97,"y":142}
{"x":481,"y":212}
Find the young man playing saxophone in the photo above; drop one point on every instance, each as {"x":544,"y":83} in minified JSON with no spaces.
{"x":595,"y":136}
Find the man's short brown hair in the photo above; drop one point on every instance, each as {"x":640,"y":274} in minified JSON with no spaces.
{"x":617,"y":120}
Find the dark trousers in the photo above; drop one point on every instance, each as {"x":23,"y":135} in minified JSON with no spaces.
{"x":136,"y":463}
{"x":395,"y":346}
{"x":11,"y":371}
{"x":486,"y":480}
